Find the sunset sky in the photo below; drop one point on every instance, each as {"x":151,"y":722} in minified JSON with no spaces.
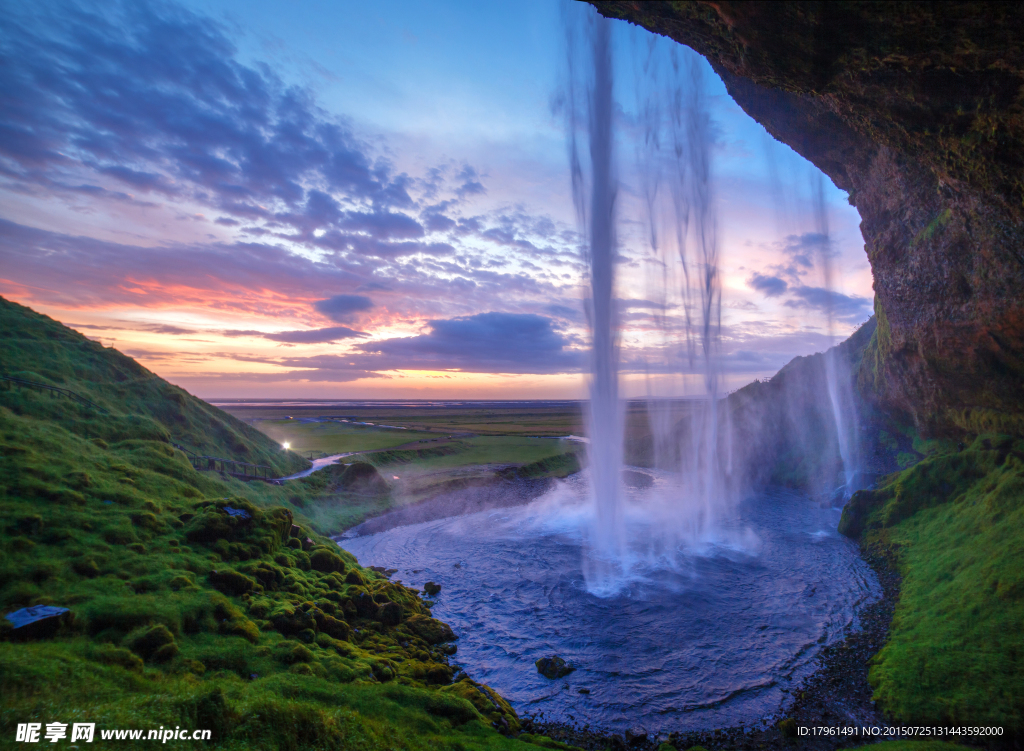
{"x":363,"y":200}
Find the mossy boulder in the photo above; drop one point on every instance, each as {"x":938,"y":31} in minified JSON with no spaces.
{"x":363,"y":478}
{"x":451,"y":706}
{"x":365,"y":605}
{"x":155,"y":643}
{"x":390,"y":614}
{"x":289,"y":619}
{"x":111,"y":655}
{"x":788,"y":727}
{"x":238,"y":520}
{"x":487,"y":702}
{"x":429,"y":629}
{"x":333,"y":627}
{"x":291,"y":652}
{"x":231,"y":582}
{"x":327,"y":561}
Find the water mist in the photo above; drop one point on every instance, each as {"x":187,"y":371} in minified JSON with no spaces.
{"x":671,"y":111}
{"x":675,"y":177}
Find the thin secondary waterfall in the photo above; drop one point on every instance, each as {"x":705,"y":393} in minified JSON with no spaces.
{"x":837,"y":371}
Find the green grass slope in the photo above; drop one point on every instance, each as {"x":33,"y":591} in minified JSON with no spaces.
{"x":135,"y":403}
{"x":955,"y":524}
{"x":181,"y":613}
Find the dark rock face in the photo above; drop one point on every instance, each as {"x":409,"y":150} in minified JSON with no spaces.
{"x":553,"y":667}
{"x":918,"y":112}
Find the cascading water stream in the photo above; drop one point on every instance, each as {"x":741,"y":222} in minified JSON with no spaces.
{"x":837,"y":372}
{"x":598,"y":219}
{"x":691,"y":344}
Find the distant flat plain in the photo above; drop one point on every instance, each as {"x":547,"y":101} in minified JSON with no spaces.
{"x":420,"y":446}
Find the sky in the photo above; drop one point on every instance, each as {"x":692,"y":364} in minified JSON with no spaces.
{"x":373,"y":200}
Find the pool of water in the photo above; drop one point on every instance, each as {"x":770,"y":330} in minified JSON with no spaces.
{"x":706,"y":630}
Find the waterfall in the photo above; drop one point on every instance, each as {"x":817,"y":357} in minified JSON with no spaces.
{"x":691,"y":284}
{"x":838,"y":378}
{"x":597,"y":217}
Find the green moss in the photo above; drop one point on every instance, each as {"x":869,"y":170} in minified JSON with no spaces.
{"x":933,"y":227}
{"x":560,"y":465}
{"x":183,"y":613}
{"x":954,"y":521}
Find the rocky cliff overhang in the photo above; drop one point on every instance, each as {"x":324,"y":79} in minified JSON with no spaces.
{"x":917,"y":110}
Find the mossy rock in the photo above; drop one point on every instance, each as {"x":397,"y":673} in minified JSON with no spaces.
{"x":430,"y":630}
{"x":271,"y":577}
{"x":111,"y":655}
{"x":390,"y":614}
{"x":290,"y":652}
{"x":856,"y":511}
{"x":154,"y":643}
{"x":326,"y":561}
{"x":365,"y":605}
{"x":86,"y":567}
{"x":289,"y":620}
{"x":452,"y":706}
{"x":231,"y":582}
{"x":333,"y":627}
{"x":363,"y":478}
{"x":431,"y":589}
{"x":487,"y":702}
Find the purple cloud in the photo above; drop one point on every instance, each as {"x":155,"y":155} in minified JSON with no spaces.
{"x":301,"y":336}
{"x":341,"y":308}
{"x":844,"y":307}
{"x":770,"y":286}
{"x":486,"y":342}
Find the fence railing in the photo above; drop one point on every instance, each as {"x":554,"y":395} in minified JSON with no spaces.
{"x":228,"y":466}
{"x":199,"y":461}
{"x":53,"y":389}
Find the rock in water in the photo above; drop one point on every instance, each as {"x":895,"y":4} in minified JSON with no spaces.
{"x":431,"y":589}
{"x":636,"y":736}
{"x":553,"y":667}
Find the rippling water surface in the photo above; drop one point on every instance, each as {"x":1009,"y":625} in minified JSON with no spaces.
{"x":703,"y":633}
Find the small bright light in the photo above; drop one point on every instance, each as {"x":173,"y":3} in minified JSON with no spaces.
{"x":286,"y":445}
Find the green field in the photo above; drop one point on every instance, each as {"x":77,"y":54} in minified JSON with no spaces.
{"x":414,"y":464}
{"x":335,"y":437}
{"x":557,"y":420}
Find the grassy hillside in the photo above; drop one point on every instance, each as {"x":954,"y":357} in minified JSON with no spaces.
{"x":134,"y":403}
{"x":954,"y":524}
{"x":197,"y":600}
